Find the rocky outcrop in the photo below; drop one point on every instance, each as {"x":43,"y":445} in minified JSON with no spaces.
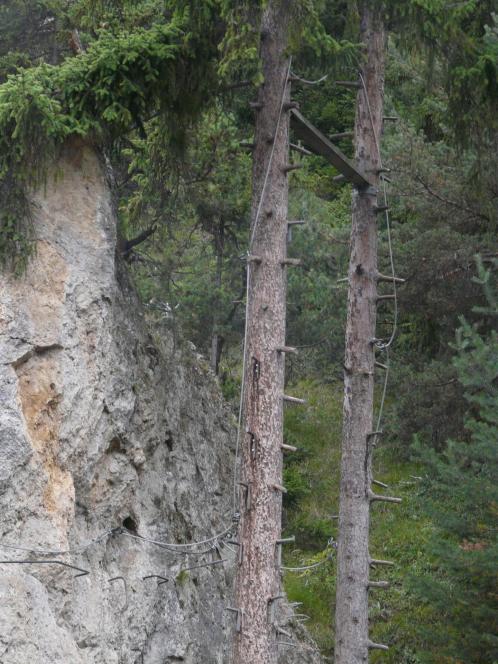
{"x":109,"y":434}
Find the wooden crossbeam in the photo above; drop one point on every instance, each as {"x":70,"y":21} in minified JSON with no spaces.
{"x":320,"y":144}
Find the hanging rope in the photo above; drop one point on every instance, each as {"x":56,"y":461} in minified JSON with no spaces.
{"x":306,"y":82}
{"x":384,"y":346}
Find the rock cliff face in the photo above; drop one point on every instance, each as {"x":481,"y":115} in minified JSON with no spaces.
{"x":108,"y":434}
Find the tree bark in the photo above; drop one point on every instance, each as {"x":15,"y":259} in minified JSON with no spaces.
{"x":353,"y":563}
{"x":258,"y":575}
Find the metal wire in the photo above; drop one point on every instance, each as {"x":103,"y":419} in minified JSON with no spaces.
{"x":304,"y":568}
{"x":173,"y":547}
{"x":60,"y":552}
{"x":304,"y":80}
{"x":385,"y":345}
{"x":177,"y":548}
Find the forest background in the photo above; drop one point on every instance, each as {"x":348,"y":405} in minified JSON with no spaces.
{"x":163,"y":88}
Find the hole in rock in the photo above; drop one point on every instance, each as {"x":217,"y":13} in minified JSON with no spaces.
{"x":115,"y":446}
{"x":130,"y":524}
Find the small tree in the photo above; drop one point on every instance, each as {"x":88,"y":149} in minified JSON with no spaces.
{"x":462,"y":500}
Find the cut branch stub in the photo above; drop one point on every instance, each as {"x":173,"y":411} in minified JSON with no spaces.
{"x":287,"y":349}
{"x":353,"y":85}
{"x":290,"y":399}
{"x":287,"y":168}
{"x":379,"y":584}
{"x":375,"y":561}
{"x":341,"y":135}
{"x":293,"y":262}
{"x":376,"y":646}
{"x":300,"y":149}
{"x":379,"y":497}
{"x":388,"y":277}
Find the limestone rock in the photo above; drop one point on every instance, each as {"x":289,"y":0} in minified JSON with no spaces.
{"x":106,"y":424}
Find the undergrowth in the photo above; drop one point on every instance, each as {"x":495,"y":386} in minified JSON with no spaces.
{"x":398,"y":533}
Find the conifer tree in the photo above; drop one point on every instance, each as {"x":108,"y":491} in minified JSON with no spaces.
{"x":461,"y":497}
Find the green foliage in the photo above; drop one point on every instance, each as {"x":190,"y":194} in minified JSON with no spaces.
{"x":461,"y":499}
{"x":461,"y":43}
{"x":121,"y":80}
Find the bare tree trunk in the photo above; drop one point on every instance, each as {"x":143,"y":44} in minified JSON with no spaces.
{"x":258,"y":575}
{"x":353,"y":561}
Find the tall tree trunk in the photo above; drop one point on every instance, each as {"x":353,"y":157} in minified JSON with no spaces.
{"x":353,"y":562}
{"x":258,"y":573}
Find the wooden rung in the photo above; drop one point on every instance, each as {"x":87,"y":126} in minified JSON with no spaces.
{"x":291,"y":167}
{"x":293,"y":399}
{"x":380,"y":298}
{"x":286,"y":540}
{"x":254,"y":259}
{"x":387,"y":277}
{"x":354,"y":85}
{"x":379,"y":209}
{"x":390,"y":118}
{"x":341,"y":135}
{"x":376,"y":646}
{"x":300,"y":149}
{"x":297,"y":222}
{"x":373,"y":434}
{"x":279,"y":487}
{"x":386,"y":499}
{"x":379,"y":584}
{"x":287,"y":349}
{"x":381,"y":366}
{"x":382,"y":484}
{"x":247,"y":146}
{"x":256,"y":105}
{"x":295,"y":262}
{"x":339,"y":178}
{"x":288,"y":448}
{"x":374,"y":561}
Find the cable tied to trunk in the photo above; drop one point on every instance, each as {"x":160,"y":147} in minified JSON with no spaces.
{"x":384,"y":346}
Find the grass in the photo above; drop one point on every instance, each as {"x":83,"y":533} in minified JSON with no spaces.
{"x":397,"y":531}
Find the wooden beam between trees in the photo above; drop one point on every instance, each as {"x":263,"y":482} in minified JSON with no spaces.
{"x":320,"y":144}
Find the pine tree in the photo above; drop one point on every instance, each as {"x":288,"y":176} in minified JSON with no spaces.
{"x":462,"y":500}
